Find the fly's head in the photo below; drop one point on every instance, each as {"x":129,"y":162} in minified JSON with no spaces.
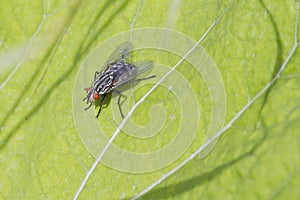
{"x":91,"y":96}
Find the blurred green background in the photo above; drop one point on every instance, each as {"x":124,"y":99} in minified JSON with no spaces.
{"x":45,"y":43}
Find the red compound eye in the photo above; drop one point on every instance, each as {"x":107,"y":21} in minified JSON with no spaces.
{"x":95,"y":96}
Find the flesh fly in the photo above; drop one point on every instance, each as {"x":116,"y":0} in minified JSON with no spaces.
{"x":116,"y":72}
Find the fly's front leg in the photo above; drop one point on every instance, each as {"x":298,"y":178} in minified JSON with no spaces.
{"x":96,"y":74}
{"x":101,"y":103}
{"x":119,"y":101}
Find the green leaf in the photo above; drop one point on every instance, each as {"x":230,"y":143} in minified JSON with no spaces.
{"x":43,"y":46}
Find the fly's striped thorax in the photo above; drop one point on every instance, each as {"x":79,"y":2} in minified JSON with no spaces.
{"x":104,"y":83}
{"x":108,"y":79}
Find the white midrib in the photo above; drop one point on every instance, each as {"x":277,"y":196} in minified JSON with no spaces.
{"x":217,"y":135}
{"x":234,"y":119}
{"x":89,"y":173}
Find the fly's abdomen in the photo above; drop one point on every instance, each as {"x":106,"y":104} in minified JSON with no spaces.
{"x":125,"y":73}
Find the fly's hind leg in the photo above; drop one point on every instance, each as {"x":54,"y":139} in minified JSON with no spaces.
{"x":119,"y":101}
{"x":143,"y":79}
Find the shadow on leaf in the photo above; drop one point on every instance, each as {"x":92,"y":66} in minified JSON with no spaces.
{"x":83,"y":49}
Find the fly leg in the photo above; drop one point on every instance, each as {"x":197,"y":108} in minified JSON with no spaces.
{"x":96,"y":74}
{"x":119,"y":101}
{"x":88,"y":107}
{"x":101,"y":103}
{"x":143,"y":79}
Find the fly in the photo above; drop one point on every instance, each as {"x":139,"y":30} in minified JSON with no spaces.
{"x":116,"y":71}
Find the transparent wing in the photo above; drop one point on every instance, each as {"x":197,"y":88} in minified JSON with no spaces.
{"x":143,"y":66}
{"x":122,"y":52}
{"x":139,"y":68}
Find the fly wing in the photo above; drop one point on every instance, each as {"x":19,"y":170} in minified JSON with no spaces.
{"x":121,"y":53}
{"x":143,"y":66}
{"x":138,"y":68}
